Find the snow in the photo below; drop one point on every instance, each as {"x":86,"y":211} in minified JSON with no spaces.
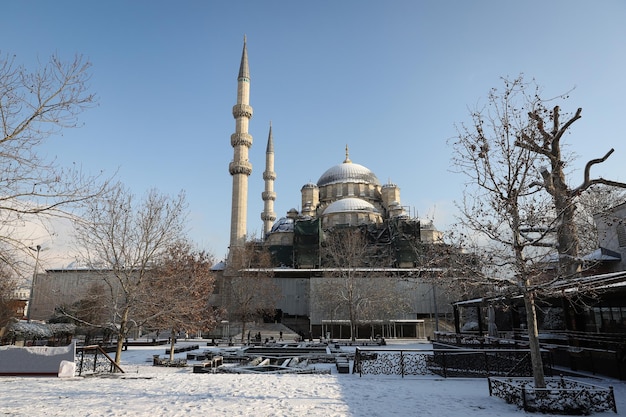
{"x":146,"y":390}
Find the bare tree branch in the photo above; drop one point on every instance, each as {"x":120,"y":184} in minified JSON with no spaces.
{"x":125,"y":240}
{"x":35,"y":106}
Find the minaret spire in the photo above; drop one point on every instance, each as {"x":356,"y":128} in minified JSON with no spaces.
{"x":241,"y":141}
{"x":244,"y":71}
{"x":269,"y":196}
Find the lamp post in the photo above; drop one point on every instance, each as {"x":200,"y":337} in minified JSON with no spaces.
{"x":36,"y":249}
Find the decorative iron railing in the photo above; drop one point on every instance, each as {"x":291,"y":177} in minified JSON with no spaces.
{"x":561,"y":395}
{"x":93,"y":359}
{"x":445,"y":362}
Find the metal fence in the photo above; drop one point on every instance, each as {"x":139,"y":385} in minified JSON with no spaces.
{"x":94,"y":360}
{"x":446,"y":362}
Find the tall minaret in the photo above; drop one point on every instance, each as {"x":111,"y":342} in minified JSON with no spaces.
{"x":269,"y":196}
{"x":241,"y":168}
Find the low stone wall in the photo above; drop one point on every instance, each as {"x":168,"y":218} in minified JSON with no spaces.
{"x":34,"y":361}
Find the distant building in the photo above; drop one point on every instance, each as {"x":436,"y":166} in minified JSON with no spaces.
{"x":611,"y":253}
{"x":62,"y":287}
{"x":19,"y":302}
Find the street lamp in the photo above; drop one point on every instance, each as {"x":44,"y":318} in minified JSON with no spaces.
{"x":36,"y":249}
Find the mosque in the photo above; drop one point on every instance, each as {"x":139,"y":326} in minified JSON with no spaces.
{"x":345,"y":195}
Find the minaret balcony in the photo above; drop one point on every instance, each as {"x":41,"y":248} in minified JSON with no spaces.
{"x":269,"y":175}
{"x":241,"y":139}
{"x":268,"y":195}
{"x":268,"y":217}
{"x":240,"y":167}
{"x":242,"y":110}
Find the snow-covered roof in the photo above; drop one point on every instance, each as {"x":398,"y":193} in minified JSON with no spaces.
{"x":349,"y":204}
{"x":603,"y":254}
{"x":220,"y":266}
{"x":348,"y":172}
{"x":284,"y":224}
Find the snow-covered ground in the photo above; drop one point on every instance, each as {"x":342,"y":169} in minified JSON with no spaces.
{"x":146,"y":390}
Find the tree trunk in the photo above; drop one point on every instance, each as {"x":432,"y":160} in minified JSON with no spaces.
{"x":533,"y":339}
{"x":567,"y":234}
{"x":352,"y":324}
{"x":172,"y":344}
{"x":121,"y":334}
{"x":243,"y":331}
{"x":568,"y":242}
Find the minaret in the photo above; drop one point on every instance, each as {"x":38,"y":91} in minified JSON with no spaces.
{"x":241,"y":168}
{"x":269,"y":196}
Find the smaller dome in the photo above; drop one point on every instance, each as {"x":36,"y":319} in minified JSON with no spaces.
{"x":284,"y":224}
{"x":350,"y":204}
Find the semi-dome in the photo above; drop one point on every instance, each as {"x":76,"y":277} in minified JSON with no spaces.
{"x":348,"y":172}
{"x":350,"y":204}
{"x":284,"y":224}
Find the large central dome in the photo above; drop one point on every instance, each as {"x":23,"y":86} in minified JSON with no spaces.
{"x":347,"y":172}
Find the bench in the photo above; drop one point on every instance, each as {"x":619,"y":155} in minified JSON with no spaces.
{"x":196,"y":356}
{"x":214,"y":362}
{"x":209,"y":366}
{"x":343,"y":365}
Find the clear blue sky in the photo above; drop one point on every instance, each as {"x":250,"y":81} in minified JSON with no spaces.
{"x":390,"y":79}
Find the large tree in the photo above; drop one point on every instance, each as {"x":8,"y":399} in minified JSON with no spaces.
{"x":178,"y":291}
{"x":124,"y":239}
{"x":503,"y":153}
{"x":543,"y":137}
{"x":34,"y":106}
{"x":501,"y":206}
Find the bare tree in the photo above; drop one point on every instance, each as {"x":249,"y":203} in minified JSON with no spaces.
{"x":178,"y":291}
{"x":502,"y":207}
{"x":503,"y":154}
{"x":249,"y":291}
{"x":33,"y":107}
{"x":543,"y":137}
{"x":355,"y":284}
{"x":125,"y":239}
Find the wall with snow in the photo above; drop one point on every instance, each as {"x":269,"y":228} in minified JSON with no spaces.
{"x":30,"y":361}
